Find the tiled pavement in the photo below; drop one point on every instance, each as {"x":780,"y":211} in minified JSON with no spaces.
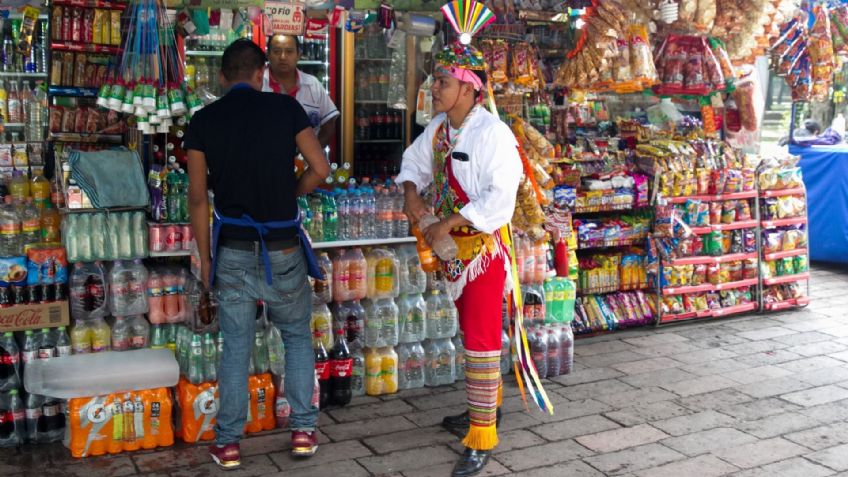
{"x":751,"y":396}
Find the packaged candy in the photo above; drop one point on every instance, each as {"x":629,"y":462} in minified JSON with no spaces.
{"x":787,"y":264}
{"x":714,"y":273}
{"x":715,"y":212}
{"x":749,"y":240}
{"x":801,"y":265}
{"x":699,"y":274}
{"x":749,"y":270}
{"x":728,"y":212}
{"x":737,"y":244}
{"x":713,"y":243}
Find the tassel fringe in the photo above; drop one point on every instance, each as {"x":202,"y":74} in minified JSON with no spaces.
{"x":481,"y":438}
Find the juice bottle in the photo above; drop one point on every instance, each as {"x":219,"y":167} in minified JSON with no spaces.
{"x":40,"y":189}
{"x":322,"y":321}
{"x":341,"y":277}
{"x":80,"y":338}
{"x":101,"y":335}
{"x":429,"y":262}
{"x":4,"y":98}
{"x":373,"y":372}
{"x":389,"y":368}
{"x":51,"y":224}
{"x":358,"y":268}
{"x":19,"y":186}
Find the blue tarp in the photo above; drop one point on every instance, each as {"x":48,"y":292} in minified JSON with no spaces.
{"x":825,"y":170}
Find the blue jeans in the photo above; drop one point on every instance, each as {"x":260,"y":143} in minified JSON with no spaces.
{"x":239,"y":283}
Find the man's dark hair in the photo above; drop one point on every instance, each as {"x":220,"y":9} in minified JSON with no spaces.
{"x":293,"y":37}
{"x":241,"y":59}
{"x":484,"y":78}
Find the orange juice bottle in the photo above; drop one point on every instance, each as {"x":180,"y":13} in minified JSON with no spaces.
{"x":429,"y":262}
{"x":39,"y":187}
{"x":373,"y":372}
{"x":389,"y":367}
{"x":51,"y":223}
{"x":357,"y":279}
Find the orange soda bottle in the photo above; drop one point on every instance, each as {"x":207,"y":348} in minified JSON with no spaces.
{"x":429,"y":262}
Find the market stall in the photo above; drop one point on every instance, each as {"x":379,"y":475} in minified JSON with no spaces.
{"x":640,"y":202}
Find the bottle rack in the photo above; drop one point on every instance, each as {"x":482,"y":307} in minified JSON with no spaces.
{"x":798,"y":276}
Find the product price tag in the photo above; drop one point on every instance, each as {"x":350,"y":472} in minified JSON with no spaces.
{"x":287,"y":18}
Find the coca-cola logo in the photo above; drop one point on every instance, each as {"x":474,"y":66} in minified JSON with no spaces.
{"x":24,"y":317}
{"x":341,"y":368}
{"x":322,"y":370}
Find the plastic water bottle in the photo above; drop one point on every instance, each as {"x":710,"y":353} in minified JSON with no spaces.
{"x":539,"y":353}
{"x":29,"y":350}
{"x":357,"y":384}
{"x":459,"y":346}
{"x":125,"y":249}
{"x":33,"y":417}
{"x":344,"y":214}
{"x":554,"y":353}
{"x":331,"y":217}
{"x":139,"y":234}
{"x":98,"y":237}
{"x":13,"y":435}
{"x":138,"y":288}
{"x":83,"y":229}
{"x":356,"y":212}
{"x":260,"y":352}
{"x":373,"y":325}
{"x":387,"y":313}
{"x":10,"y":231}
{"x":435,"y":317}
{"x":383,"y":205}
{"x":431,"y":354}
{"x":506,"y":356}
{"x":30,"y":223}
{"x":10,"y":366}
{"x":411,"y":363}
{"x":400,"y":225}
{"x":369,"y":218}
{"x":450,"y":315}
{"x":139,"y":332}
{"x":120,"y":334}
{"x":445,"y":247}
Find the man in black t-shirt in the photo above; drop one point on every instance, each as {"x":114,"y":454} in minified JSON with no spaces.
{"x":244,"y":144}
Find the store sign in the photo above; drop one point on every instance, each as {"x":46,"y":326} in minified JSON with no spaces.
{"x":286,"y":18}
{"x":227,"y":4}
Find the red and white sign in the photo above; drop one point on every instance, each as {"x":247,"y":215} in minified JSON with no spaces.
{"x":287,"y":18}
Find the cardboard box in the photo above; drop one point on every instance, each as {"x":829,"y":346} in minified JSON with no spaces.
{"x":36,"y":316}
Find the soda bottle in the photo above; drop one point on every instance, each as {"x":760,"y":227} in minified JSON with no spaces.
{"x":357,"y":373}
{"x":10,"y":372}
{"x":554,"y":353}
{"x":50,"y":224}
{"x":282,"y":408}
{"x":139,"y":332}
{"x":120,"y":334}
{"x":426,"y":255}
{"x":54,"y":421}
{"x":389,"y":369}
{"x":101,"y":335}
{"x":35,"y":424}
{"x":10,"y":230}
{"x":567,"y":349}
{"x":158,"y":337}
{"x":506,"y":358}
{"x":17,"y":415}
{"x":550,"y":303}
{"x":219,"y":349}
{"x":29,"y":350}
{"x":341,"y":371}
{"x":210,"y":372}
{"x":539,"y":353}
{"x":354,"y":321}
{"x":195,"y":360}
{"x":322,"y":322}
{"x":40,"y":189}
{"x":322,"y":370}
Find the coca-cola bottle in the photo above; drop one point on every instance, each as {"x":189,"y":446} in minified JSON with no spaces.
{"x":322,"y":370}
{"x":341,"y":371}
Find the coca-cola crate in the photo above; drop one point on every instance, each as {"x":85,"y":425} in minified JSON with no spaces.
{"x":34,"y":316}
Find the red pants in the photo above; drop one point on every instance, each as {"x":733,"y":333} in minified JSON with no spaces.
{"x":479,"y":308}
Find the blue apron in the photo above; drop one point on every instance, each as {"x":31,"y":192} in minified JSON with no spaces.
{"x":262,"y":228}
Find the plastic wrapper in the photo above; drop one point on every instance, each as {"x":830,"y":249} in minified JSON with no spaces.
{"x":496,"y":54}
{"x":397,"y":80}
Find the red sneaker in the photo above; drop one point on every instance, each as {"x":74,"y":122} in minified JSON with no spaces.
{"x":304,"y":444}
{"x":227,"y":457}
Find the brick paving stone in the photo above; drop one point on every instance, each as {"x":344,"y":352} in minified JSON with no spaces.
{"x":439,"y":400}
{"x":250,"y":466}
{"x":833,"y":412}
{"x":821,"y":437}
{"x":371,"y":427}
{"x":347,"y":468}
{"x":574,"y":468}
{"x":707,"y":441}
{"x":702,"y":466}
{"x":618,"y":439}
{"x":701,"y":421}
{"x":367,"y":411}
{"x":803,"y":338}
{"x":834,"y":457}
{"x":634,"y":459}
{"x":811,"y":364}
{"x":825,"y":376}
{"x":587,"y":376}
{"x":645,"y":413}
{"x":818,"y":349}
{"x":841,"y":356}
{"x":180,"y":455}
{"x":840,"y":331}
{"x":611,"y":346}
{"x":575,"y":427}
{"x":435,"y":416}
{"x":753,"y":347}
{"x":699,"y":385}
{"x":647,"y":365}
{"x":637,"y":397}
{"x":779,"y":424}
{"x":817,"y":396}
{"x":755,"y":375}
{"x":610,"y":359}
{"x":593,"y":390}
{"x":655,"y":378}
{"x":668,"y":349}
{"x":575,"y":409}
{"x":492,"y":468}
{"x":709,"y":368}
{"x":774,"y":387}
{"x":760,"y":453}
{"x":409,"y":439}
{"x":707,"y":401}
{"x":704,"y":356}
{"x":326,"y":454}
{"x":517,"y":439}
{"x":749,"y":324}
{"x":106,"y":466}
{"x":796,"y":467}
{"x":655,"y":339}
{"x":543,"y":455}
{"x":759,"y":409}
{"x":766,"y":333}
{"x":812,"y":324}
{"x":520,"y":420}
{"x":406,"y":460}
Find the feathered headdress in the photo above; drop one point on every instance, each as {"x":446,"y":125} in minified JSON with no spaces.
{"x":467,"y":17}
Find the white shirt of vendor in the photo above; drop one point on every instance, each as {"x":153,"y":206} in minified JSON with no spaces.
{"x":310,"y":93}
{"x":490,"y":177}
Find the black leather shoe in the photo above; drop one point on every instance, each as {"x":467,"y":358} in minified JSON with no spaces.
{"x":460,"y":423}
{"x":471,"y":463}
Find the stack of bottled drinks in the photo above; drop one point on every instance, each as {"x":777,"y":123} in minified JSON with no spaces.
{"x":367,"y":211}
{"x":402,"y":333}
{"x":100,"y":236}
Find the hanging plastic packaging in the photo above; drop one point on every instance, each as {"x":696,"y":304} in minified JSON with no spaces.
{"x":397,"y":78}
{"x":424,"y":109}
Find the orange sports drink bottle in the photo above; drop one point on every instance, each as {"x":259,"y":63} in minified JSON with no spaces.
{"x":429,"y":262}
